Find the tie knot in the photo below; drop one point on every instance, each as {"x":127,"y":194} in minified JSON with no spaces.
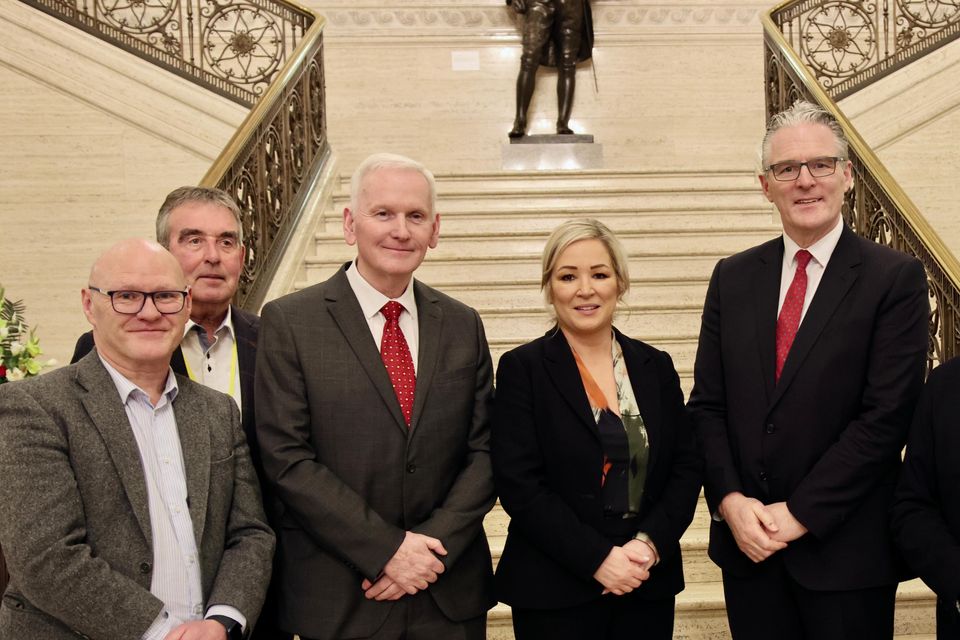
{"x":391,"y":311}
{"x":803,"y":258}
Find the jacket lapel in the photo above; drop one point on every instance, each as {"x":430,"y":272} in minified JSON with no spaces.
{"x":430,"y":319}
{"x":347,"y":314}
{"x":766,"y":283}
{"x":106,"y":411}
{"x":839,"y":276}
{"x":195,"y":445}
{"x":563,"y":372}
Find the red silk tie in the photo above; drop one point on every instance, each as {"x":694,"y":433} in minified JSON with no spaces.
{"x":789,"y":320}
{"x":396,"y":358}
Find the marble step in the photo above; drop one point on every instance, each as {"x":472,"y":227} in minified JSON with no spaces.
{"x":590,"y":202}
{"x":629,"y":220}
{"x":700,"y":614}
{"x":550,"y":181}
{"x":498,"y":266}
{"x":662,"y":241}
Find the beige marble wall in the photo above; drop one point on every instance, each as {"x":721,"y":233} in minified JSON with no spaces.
{"x":680,"y":83}
{"x":91,"y":139}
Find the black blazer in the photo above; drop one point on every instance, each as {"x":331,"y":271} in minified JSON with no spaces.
{"x":827,"y":438}
{"x":547,"y":462}
{"x":926,"y":511}
{"x":246,"y":326}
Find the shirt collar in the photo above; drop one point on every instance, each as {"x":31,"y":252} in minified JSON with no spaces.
{"x":371,"y":300}
{"x":227,"y":322}
{"x":125,"y":387}
{"x":821,"y":250}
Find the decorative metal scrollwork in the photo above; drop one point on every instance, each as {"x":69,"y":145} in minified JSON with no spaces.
{"x":838,"y":39}
{"x":929,"y":13}
{"x":233,"y":47}
{"x":138,"y":16}
{"x":242,"y":43}
{"x":851,"y":43}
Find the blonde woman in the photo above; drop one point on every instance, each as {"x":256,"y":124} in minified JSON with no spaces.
{"x":593,"y":460}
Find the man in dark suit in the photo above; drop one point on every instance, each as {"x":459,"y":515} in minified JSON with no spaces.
{"x":129,"y":507}
{"x":372,"y":413}
{"x":926,"y":511}
{"x":202,"y":228}
{"x":811,"y":357}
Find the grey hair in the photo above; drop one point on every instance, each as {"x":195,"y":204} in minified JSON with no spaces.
{"x":583,"y":229}
{"x":802,"y":112}
{"x":186,"y":195}
{"x":391,"y":161}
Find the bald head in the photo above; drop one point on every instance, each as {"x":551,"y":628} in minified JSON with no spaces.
{"x":134,"y":339}
{"x":132,"y":251}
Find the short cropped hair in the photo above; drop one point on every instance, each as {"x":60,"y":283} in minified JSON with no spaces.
{"x":802,"y":112}
{"x":391,"y":161}
{"x":583,"y":229}
{"x":186,"y":195}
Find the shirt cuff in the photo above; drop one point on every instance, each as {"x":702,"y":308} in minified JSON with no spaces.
{"x":163,"y":624}
{"x":642,"y":537}
{"x":230,"y":612}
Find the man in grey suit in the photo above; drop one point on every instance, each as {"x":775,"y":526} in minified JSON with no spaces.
{"x":372,"y":414}
{"x":129,"y":507}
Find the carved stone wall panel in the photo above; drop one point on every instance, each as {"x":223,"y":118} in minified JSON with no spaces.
{"x":484,"y":19}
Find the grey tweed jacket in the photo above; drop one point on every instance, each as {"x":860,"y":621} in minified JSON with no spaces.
{"x":74,"y":518}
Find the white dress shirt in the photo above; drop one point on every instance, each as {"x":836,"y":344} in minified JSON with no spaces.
{"x":371,"y":301}
{"x":176,"y":576}
{"x":213,"y":364}
{"x":821,"y":250}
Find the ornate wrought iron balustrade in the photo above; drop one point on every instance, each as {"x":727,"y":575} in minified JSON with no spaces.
{"x":274,"y":161}
{"x":877,"y":207}
{"x":232,"y":47}
{"x":850,"y":43}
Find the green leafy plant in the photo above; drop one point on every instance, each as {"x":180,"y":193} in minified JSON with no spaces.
{"x":19,"y":346}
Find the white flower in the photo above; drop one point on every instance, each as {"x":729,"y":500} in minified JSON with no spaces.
{"x":16,"y":348}
{"x":52,"y":362}
{"x":15,"y":374}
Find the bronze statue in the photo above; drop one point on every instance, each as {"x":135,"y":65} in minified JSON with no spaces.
{"x":556,"y":33}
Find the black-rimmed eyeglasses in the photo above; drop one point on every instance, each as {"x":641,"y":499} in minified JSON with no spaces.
{"x":818,"y":168}
{"x":130,"y":302}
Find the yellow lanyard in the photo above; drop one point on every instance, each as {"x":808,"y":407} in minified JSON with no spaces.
{"x":233,"y":369}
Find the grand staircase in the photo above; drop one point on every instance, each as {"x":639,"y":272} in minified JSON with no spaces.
{"x":674,"y":225}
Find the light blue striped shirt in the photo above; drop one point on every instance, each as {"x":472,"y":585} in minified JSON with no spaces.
{"x":176,"y":566}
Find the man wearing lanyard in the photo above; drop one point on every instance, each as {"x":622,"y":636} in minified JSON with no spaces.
{"x":202,"y":228}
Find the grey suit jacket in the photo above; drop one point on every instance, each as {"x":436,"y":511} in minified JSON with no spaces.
{"x":74,"y":518}
{"x":350,"y":475}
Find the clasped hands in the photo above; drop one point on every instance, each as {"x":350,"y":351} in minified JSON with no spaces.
{"x":625,"y":568}
{"x":760,"y":530}
{"x":413,"y":567}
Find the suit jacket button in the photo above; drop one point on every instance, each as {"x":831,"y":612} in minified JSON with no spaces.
{"x":763,"y":475}
{"x":145,"y":567}
{"x":771,"y":428}
{"x":411,"y":468}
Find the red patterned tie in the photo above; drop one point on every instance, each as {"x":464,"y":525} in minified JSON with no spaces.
{"x":789,"y":320}
{"x":396,"y":358}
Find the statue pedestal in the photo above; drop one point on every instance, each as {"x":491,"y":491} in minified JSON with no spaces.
{"x":552,"y":153}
